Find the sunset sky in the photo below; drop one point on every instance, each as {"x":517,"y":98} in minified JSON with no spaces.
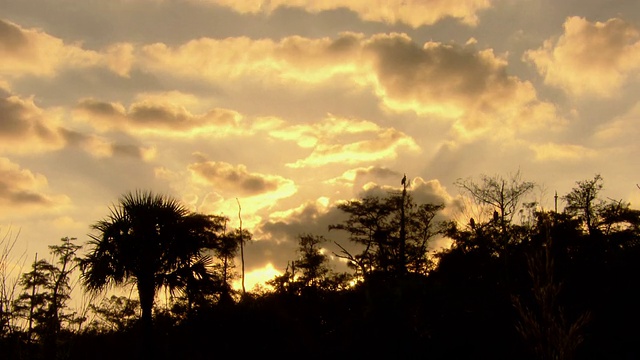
{"x":291,"y":106}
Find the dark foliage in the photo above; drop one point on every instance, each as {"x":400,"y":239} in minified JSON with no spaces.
{"x":556,"y":286}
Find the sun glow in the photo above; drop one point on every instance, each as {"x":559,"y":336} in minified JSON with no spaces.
{"x":257,"y":277}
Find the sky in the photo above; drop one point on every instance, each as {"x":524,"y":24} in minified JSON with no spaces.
{"x":289,"y":107}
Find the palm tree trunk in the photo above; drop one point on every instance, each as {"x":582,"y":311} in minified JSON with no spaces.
{"x":146,"y":293}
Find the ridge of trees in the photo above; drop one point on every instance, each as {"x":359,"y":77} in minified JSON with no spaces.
{"x":542,"y":285}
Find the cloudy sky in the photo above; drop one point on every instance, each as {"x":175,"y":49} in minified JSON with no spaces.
{"x":290,"y":106}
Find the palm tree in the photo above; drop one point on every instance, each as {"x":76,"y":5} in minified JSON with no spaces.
{"x":146,"y":240}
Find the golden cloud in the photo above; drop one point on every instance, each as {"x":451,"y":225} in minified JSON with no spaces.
{"x":338,"y":140}
{"x":31,"y":51}
{"x":309,"y":135}
{"x":561,"y":152}
{"x":589,"y":58}
{"x":235,"y":179}
{"x":385,"y":145}
{"x":456,"y":83}
{"x":120,"y":58}
{"x":470,"y":87}
{"x":101,"y":147}
{"x":158,"y":114}
{"x":363,"y":174}
{"x":414,"y":13}
{"x":26,"y":128}
{"x":20,"y":189}
{"x":293,"y":59}
{"x":215,"y":187}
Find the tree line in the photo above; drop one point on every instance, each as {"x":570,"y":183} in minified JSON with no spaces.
{"x":517,"y":281}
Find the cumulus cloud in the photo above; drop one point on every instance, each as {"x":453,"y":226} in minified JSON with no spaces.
{"x":589,"y":58}
{"x":120,"y":58}
{"x":422,"y":191}
{"x":470,"y":87}
{"x":458,"y":83}
{"x":238,"y":179}
{"x":27,"y":128}
{"x":414,"y":13}
{"x":277,"y":235}
{"x":158,"y":114}
{"x":21,"y":189}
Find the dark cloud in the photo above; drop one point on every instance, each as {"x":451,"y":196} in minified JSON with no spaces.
{"x":128,"y":150}
{"x":236,"y":178}
{"x":375,"y":174}
{"x":20,"y":187}
{"x":102,"y":147}
{"x":279,"y":254}
{"x":357,"y":178}
{"x":12,"y":195}
{"x":23,"y":197}
{"x":99,"y":107}
{"x":435,"y":72}
{"x":24,"y":128}
{"x":282,"y":234}
{"x":73,"y":138}
{"x":423,"y":192}
{"x":378,"y":172}
{"x":313,"y":218}
{"x":153,"y":116}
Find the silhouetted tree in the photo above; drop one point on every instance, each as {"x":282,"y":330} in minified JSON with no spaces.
{"x":116,"y":313}
{"x":381,"y":226}
{"x":60,"y":290}
{"x":146,"y":239}
{"x":32,"y":304}
{"x":543,"y":322}
{"x":10,"y":269}
{"x":583,"y":202}
{"x":502,"y":195}
{"x":312,"y":262}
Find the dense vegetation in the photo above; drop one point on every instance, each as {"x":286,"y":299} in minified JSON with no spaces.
{"x":517,"y":282}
